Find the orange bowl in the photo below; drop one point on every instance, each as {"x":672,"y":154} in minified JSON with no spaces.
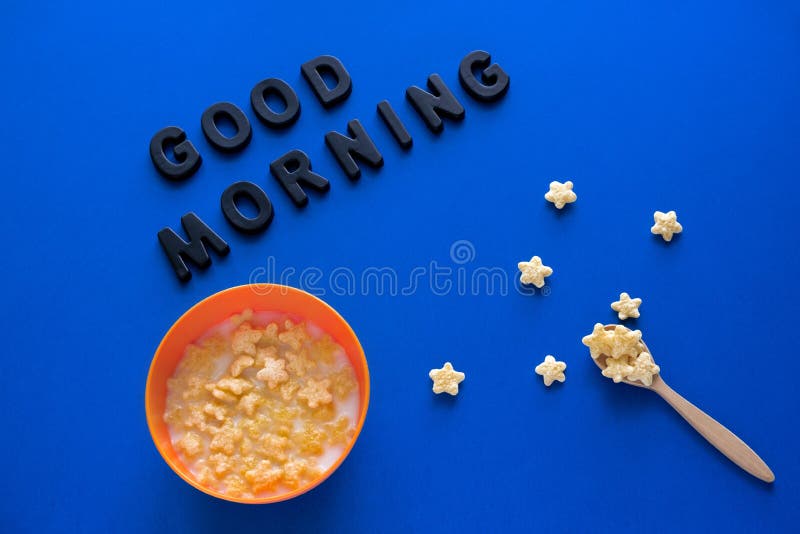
{"x":215,"y":309}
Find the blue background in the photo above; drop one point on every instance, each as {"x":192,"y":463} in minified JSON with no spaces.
{"x":691,"y":106}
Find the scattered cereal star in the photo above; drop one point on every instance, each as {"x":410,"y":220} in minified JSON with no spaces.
{"x":274,"y":372}
{"x":551,"y":370}
{"x":446,"y":379}
{"x":316,"y":392}
{"x":534,"y":272}
{"x":561,"y":194}
{"x":644,"y":369}
{"x":626,"y":306}
{"x":666,"y":224}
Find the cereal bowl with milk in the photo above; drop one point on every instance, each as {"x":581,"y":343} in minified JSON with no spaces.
{"x":257,"y":393}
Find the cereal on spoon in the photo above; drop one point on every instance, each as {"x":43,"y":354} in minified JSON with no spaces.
{"x":626,"y":357}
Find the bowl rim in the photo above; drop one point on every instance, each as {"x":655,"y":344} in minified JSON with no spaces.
{"x":178,"y":467}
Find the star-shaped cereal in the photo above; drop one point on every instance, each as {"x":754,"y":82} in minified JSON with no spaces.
{"x":644,"y":369}
{"x":624,"y":342}
{"x":626,"y":306}
{"x":533,"y":272}
{"x":274,"y":372}
{"x":240,"y":364}
{"x":244,"y":340}
{"x":599,"y":341}
{"x":551,"y":370}
{"x":446,"y":379}
{"x":666,"y":224}
{"x":617,"y":369}
{"x":316,"y":392}
{"x":561,"y":194}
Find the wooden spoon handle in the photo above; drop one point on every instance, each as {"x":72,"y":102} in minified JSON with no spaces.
{"x":720,"y":437}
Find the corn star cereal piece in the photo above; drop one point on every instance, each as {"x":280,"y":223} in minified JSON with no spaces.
{"x":344,"y":381}
{"x":191,"y":444}
{"x":295,"y":336}
{"x":226,"y":439}
{"x":446,"y":379}
{"x":273,"y":373}
{"x":195,"y":418}
{"x":316,"y":392}
{"x":533,"y":272}
{"x":340,"y":431}
{"x":294,"y":471}
{"x":222,"y":464}
{"x":599,"y":341}
{"x":561,"y":194}
{"x":215,"y":410}
{"x":245,"y":339}
{"x":625,"y":342}
{"x":617,"y":368}
{"x":255,"y":426}
{"x":666,"y":224}
{"x":235,"y":485}
{"x":551,"y":369}
{"x":324,"y":349}
{"x":264,"y":477}
{"x":288,"y":390}
{"x":237,"y":386}
{"x":245,"y":316}
{"x":250,"y":403}
{"x":194,"y":389}
{"x":299,"y":362}
{"x":274,"y":447}
{"x":626,"y":306}
{"x":270,"y":333}
{"x":262,"y":353}
{"x":240,"y":364}
{"x":644,"y":369}
{"x":224,"y":396}
{"x":206,"y":476}
{"x":174,"y":414}
{"x":310,"y":439}
{"x":285,"y":414}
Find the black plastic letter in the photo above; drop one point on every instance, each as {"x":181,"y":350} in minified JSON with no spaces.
{"x":256,"y":195}
{"x":236,"y":116}
{"x":200,"y":236}
{"x":188,"y":157}
{"x":359,"y":145}
{"x":431,"y":106}
{"x":394,"y":124}
{"x":294,"y":168}
{"x":312,"y":72}
{"x":275,"y":86}
{"x":494,"y":80}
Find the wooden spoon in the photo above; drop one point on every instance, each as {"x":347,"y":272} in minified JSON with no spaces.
{"x":720,"y":437}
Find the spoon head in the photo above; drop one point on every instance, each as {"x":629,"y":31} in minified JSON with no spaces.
{"x":601,"y":362}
